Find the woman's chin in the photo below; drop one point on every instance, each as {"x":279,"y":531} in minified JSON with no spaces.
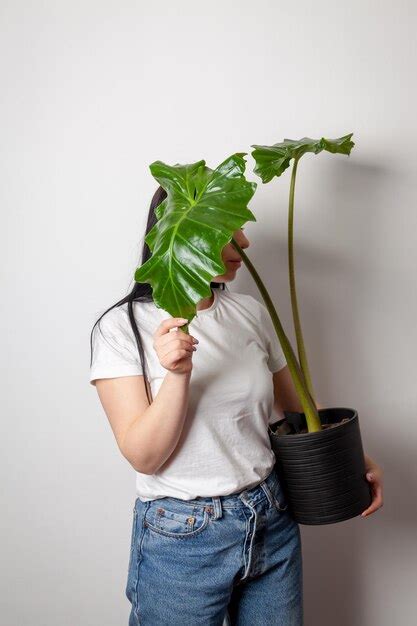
{"x":225,"y":277}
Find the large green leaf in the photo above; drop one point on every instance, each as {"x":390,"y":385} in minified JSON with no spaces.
{"x":273,"y":160}
{"x":202,"y":210}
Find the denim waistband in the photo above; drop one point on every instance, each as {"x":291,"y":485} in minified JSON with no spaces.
{"x":236,"y":500}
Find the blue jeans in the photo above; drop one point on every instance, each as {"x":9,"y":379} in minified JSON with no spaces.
{"x":210,"y":561}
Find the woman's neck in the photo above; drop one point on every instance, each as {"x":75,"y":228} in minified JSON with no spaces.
{"x":205,"y":303}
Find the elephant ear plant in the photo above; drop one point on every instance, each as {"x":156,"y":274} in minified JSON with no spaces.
{"x":323,"y":471}
{"x":197,"y":219}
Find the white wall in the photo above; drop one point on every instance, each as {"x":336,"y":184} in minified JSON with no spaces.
{"x":92,"y":93}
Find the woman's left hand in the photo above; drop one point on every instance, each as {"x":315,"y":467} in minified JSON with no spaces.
{"x":374,"y":476}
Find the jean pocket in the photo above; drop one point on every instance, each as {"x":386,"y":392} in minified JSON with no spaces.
{"x":171,"y":518}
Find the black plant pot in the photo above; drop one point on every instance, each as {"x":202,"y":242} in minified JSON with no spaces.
{"x":322,"y":473}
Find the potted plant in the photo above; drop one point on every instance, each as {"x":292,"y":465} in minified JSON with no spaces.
{"x":319,"y":453}
{"x":197,"y":219}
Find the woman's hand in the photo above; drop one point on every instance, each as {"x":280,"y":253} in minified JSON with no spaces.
{"x":374,"y":476}
{"x":174,"y":348}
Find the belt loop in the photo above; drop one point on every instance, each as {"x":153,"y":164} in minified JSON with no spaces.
{"x":267,"y":492}
{"x":216,"y":508}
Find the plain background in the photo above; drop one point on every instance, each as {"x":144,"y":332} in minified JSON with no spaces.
{"x":92,"y":93}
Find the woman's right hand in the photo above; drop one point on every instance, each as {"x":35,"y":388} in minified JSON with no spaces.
{"x":174,"y":348}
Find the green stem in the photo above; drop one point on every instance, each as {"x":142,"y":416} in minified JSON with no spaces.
{"x":307,"y":403}
{"x":302,"y":356}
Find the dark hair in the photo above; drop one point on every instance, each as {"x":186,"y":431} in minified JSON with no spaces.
{"x":141,"y":292}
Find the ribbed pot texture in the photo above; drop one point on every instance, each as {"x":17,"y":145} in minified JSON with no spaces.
{"x":322,"y":473}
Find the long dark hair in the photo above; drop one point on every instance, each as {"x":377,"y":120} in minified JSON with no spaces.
{"x":141,"y":292}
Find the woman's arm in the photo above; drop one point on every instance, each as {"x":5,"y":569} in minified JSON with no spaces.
{"x":146,"y":434}
{"x":286,"y":399}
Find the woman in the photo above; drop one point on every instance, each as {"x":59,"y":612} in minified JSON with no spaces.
{"x":212,"y":537}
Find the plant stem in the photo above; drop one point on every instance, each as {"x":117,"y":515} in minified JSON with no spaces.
{"x":296,"y":316}
{"x":309,"y":408}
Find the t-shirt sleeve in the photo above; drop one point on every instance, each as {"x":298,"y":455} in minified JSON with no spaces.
{"x":115,"y":351}
{"x":276,"y":360}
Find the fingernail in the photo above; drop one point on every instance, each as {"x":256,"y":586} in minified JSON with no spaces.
{"x":181,"y":319}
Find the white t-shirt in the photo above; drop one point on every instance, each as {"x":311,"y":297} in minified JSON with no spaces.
{"x":224,"y":445}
